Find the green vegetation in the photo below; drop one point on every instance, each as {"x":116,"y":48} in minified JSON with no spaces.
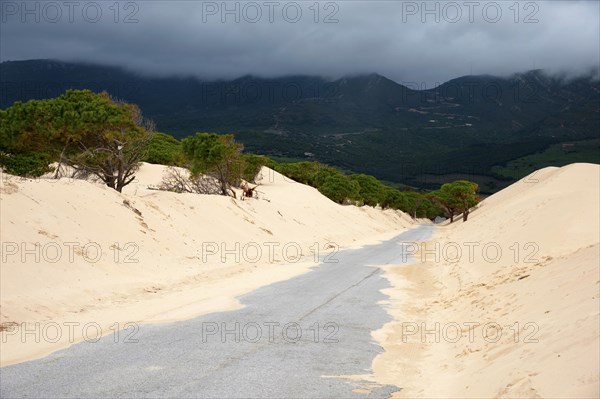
{"x":555,"y":155}
{"x":340,"y":188}
{"x":164,"y":149}
{"x":252,"y":165}
{"x":96,"y":135}
{"x":362,"y":124}
{"x":456,"y":198}
{"x":302,"y":172}
{"x":361,"y":189}
{"x":25,"y":164}
{"x":92,"y":133}
{"x":370,"y":189}
{"x":417,"y":205}
{"x":215,"y":155}
{"x":215,"y":162}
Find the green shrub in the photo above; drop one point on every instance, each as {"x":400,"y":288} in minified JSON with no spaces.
{"x":370,"y":189}
{"x":340,"y":189}
{"x":302,"y":172}
{"x":392,"y":198}
{"x":25,"y":165}
{"x":164,"y":149}
{"x":252,"y":164}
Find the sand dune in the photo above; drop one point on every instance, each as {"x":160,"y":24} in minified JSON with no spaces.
{"x":521,"y":324}
{"x":144,"y":255}
{"x":504,"y":305}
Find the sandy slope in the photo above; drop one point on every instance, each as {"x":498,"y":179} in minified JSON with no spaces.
{"x":145,"y":255}
{"x":550,"y":287}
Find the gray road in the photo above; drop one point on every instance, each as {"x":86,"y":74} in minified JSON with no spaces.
{"x":334,"y":306}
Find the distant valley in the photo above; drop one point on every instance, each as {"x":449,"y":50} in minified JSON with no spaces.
{"x":471,"y":127}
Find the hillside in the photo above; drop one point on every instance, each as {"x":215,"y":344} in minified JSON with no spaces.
{"x":465,"y":128}
{"x":540,"y":297}
{"x":146,"y":255}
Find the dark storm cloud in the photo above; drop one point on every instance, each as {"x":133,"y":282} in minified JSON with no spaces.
{"x":406,"y":41}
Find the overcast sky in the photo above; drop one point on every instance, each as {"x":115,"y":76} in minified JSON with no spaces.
{"x":399,"y":39}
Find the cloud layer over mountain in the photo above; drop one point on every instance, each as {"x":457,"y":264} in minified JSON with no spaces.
{"x":422,"y":42}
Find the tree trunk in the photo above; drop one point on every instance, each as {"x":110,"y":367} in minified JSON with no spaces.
{"x":465,"y":215}
{"x":110,"y":181}
{"x":452,"y":218}
{"x":60,"y":162}
{"x":120,"y":169}
{"x":224,"y":190}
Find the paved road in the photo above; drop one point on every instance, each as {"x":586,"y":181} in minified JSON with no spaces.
{"x":194,"y":359}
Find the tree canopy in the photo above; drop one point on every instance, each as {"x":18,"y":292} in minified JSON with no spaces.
{"x":340,"y":189}
{"x":370,"y":189}
{"x":164,"y":149}
{"x":456,"y":198}
{"x":216,"y":155}
{"x":462,"y":194}
{"x":99,"y":136}
{"x":91,"y":132}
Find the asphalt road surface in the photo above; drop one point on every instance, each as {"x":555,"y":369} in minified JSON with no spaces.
{"x":289,"y":341}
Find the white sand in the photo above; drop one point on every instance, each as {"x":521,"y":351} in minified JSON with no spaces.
{"x":151,"y":267}
{"x":553,"y":295}
{"x":550,"y":287}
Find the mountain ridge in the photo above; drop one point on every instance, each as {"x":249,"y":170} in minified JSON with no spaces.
{"x":366,"y":123}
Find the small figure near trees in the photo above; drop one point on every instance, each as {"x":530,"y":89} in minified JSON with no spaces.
{"x":248,"y":192}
